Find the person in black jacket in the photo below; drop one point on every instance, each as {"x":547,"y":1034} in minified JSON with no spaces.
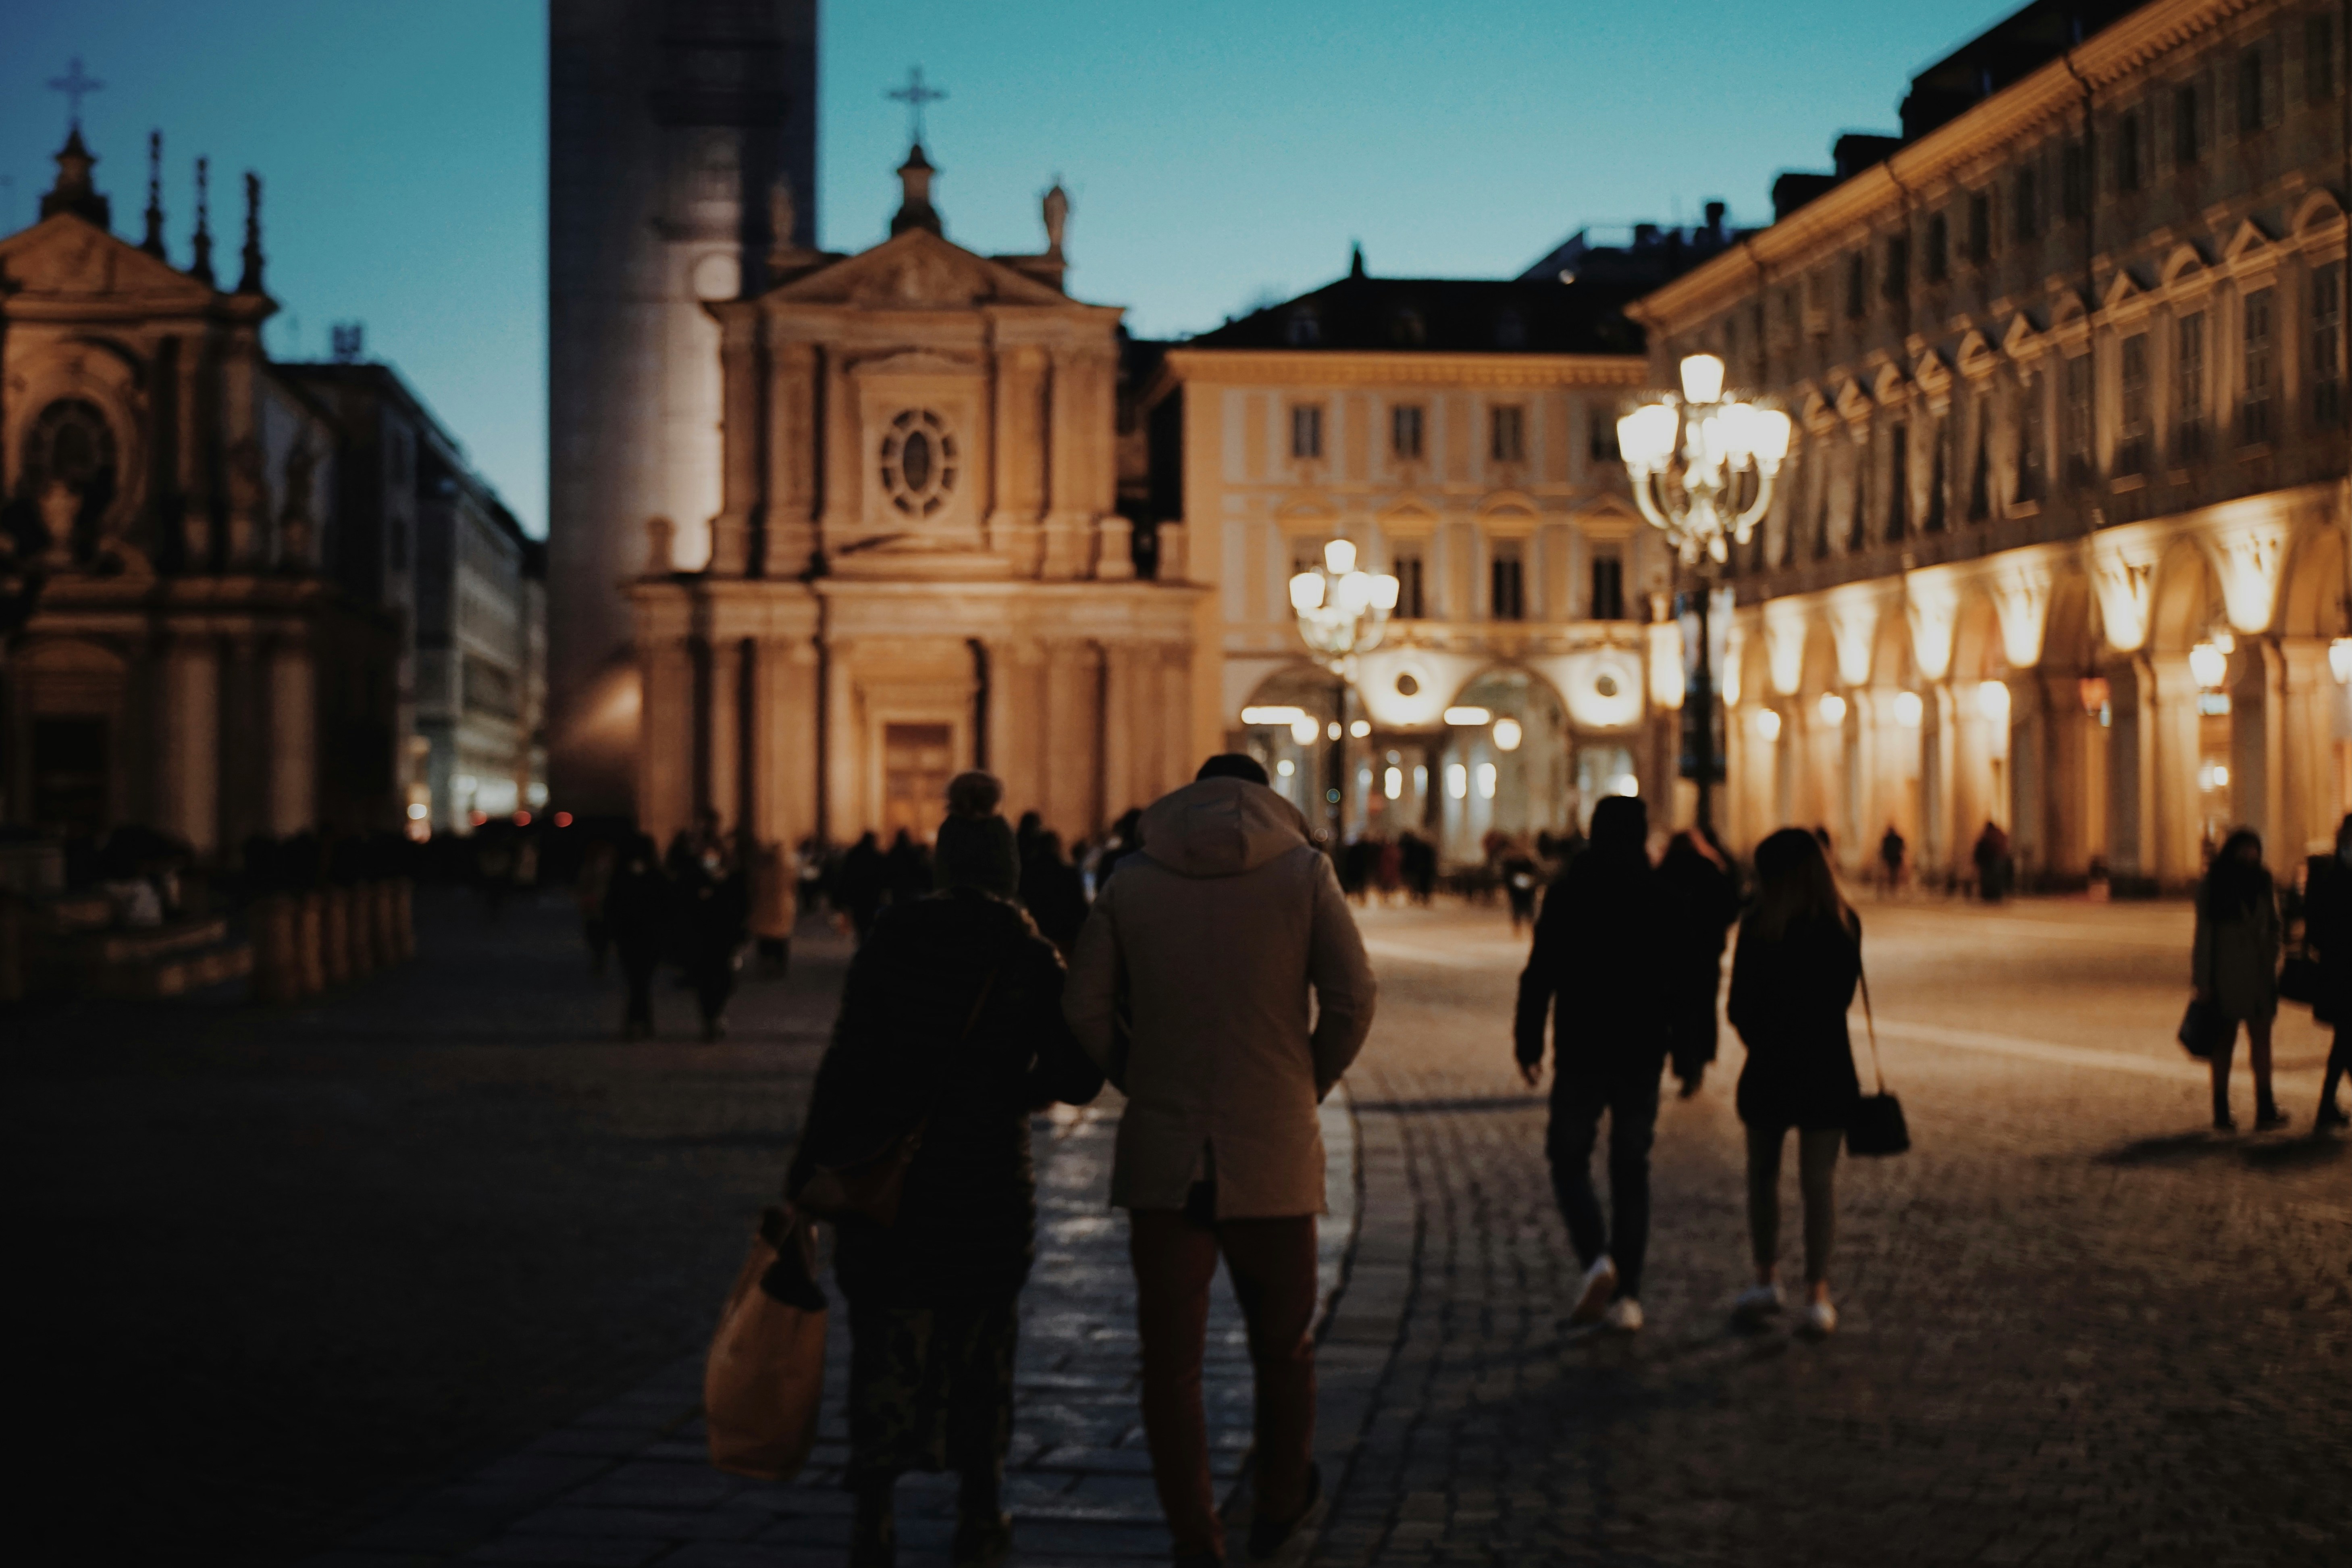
{"x":951,"y":1023}
{"x":1793,"y":979}
{"x":2327,"y":932}
{"x":637,"y":916}
{"x":1603,"y":946}
{"x":1707,"y":903}
{"x":714,"y":913}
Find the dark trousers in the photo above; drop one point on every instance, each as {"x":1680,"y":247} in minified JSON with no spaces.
{"x":1629,"y":1093}
{"x":1272,"y":1262}
{"x":637,"y":966}
{"x":2339,"y":1063}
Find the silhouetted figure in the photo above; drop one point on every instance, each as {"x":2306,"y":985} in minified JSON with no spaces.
{"x":1417,"y":858}
{"x":862,"y":880}
{"x":1124,"y":838}
{"x":2234,"y":965}
{"x":2328,"y":933}
{"x":713,"y":905}
{"x":1992,"y":857}
{"x":772,"y":891}
{"x":907,"y":868}
{"x":588,"y":893}
{"x":1707,"y":901}
{"x":1053,"y":890}
{"x":1522,"y":878}
{"x":1891,"y":849}
{"x":637,"y":914}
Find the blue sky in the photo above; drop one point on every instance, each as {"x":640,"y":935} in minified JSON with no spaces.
{"x":1217,"y":153}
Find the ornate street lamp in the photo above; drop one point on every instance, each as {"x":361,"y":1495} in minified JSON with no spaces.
{"x":1342,"y":612}
{"x":1702,"y":467}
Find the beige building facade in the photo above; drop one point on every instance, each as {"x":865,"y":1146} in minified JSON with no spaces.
{"x":917,"y":565}
{"x":2062,"y":545}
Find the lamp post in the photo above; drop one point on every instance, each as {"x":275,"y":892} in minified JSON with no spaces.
{"x":1341,"y":612}
{"x":1703,"y":466}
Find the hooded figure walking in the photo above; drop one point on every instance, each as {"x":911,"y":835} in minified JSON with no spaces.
{"x":1604,"y":947}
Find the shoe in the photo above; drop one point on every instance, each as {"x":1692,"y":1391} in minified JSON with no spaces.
{"x":1267,"y":1536}
{"x":1758,"y":1302}
{"x":2329,"y":1116}
{"x":2269,"y":1119}
{"x":2224,"y":1123}
{"x":1624,"y":1316}
{"x":1819,"y":1322}
{"x":982,"y":1541}
{"x":1599,"y":1284}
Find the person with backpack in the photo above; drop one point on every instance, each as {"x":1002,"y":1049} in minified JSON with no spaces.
{"x":2234,"y":965}
{"x":1792,"y":978}
{"x":951,"y":1033}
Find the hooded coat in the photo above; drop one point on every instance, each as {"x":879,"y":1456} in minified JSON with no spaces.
{"x":1204,"y":950}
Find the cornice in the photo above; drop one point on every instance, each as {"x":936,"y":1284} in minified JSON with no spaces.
{"x":1343,"y":367}
{"x":2017,"y":111}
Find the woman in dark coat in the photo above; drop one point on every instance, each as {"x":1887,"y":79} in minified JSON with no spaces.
{"x":1707,"y":903}
{"x":952,"y":1020}
{"x":2234,"y":965}
{"x":636,"y":916}
{"x":2328,"y":932}
{"x":1793,"y":979}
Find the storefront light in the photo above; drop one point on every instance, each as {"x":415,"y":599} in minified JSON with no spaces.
{"x":419,"y":812}
{"x":1457,"y":780}
{"x":1833,"y":709}
{"x":1284,"y":768}
{"x":2210,"y":665}
{"x":1392,"y":784}
{"x":1486,"y":781}
{"x":1507,"y":734}
{"x":1331,"y":731}
{"x":1304,"y":729}
{"x":1992,"y":700}
{"x":1361,"y":728}
{"x":1468,"y":718}
{"x":1908,"y":709}
{"x":1768,"y":723}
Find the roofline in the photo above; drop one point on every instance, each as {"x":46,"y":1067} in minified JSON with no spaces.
{"x":1363,"y":366}
{"x":2024,"y":106}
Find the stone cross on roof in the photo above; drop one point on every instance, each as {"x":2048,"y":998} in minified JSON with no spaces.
{"x":914,"y":95}
{"x":75,"y":87}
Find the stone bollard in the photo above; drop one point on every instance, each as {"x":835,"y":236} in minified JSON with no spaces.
{"x":277,"y":971}
{"x":309,"y":938}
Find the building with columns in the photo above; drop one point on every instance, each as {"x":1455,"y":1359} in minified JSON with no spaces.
{"x":915,"y":564}
{"x":2062,"y":545}
{"x":193,"y":664}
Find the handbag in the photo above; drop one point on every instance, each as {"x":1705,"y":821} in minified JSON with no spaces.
{"x":872,"y":1186}
{"x":2204,"y":1033}
{"x":1876,"y":1128}
{"x":764,"y":1377}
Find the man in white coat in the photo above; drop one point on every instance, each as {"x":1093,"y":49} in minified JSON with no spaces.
{"x":1190,"y":985}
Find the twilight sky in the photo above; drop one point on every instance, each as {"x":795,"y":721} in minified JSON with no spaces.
{"x":1216,"y":152}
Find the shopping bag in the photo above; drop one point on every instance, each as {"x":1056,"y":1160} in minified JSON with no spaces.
{"x":765,"y":1374}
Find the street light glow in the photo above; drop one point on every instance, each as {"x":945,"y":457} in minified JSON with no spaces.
{"x":1339,"y":557}
{"x":1992,"y":700}
{"x":2210,"y":666}
{"x":1360,"y":727}
{"x":1507,"y":734}
{"x":1908,"y":709}
{"x":1457,"y":780}
{"x":1304,"y":729}
{"x":1833,"y":709}
{"x":1702,"y":378}
{"x":1768,"y":723}
{"x":1306,"y":591}
{"x":1392,"y":784}
{"x":1486,"y":781}
{"x":1469,"y":718}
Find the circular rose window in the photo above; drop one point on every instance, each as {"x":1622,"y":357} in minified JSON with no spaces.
{"x":918,"y":462}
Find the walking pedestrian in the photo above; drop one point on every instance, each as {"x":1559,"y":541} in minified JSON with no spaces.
{"x":1706,"y":902}
{"x":2234,"y":965}
{"x":1219,"y":932}
{"x":1991,"y":856}
{"x":1793,"y":979}
{"x":951,"y":1028}
{"x":1891,"y":849}
{"x":714,"y":908}
{"x":638,"y":911}
{"x":595,"y":880}
{"x":1603,"y":947}
{"x":774,"y":898}
{"x":863,"y":881}
{"x":1521,"y":878}
{"x":907,"y":868}
{"x":2327,"y":932}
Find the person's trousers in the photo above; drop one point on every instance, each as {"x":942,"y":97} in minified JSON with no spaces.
{"x":638,"y":969}
{"x":1272,"y":1262}
{"x":1816,"y":1154}
{"x":1629,"y":1094}
{"x":2339,"y":1063}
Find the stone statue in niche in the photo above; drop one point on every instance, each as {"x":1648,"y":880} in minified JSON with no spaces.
{"x":1057,"y":218}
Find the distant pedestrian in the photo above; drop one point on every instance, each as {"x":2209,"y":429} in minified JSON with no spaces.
{"x":2327,"y":932}
{"x":951,"y":1027}
{"x":1219,"y":932}
{"x":863,"y":881}
{"x":1052,"y":890}
{"x":774,"y":898}
{"x":1706,"y":902}
{"x":907,"y":869}
{"x":1603,"y":947}
{"x":1891,"y":849}
{"x":2234,"y":965}
{"x":1793,"y":979}
{"x":1992,"y":857}
{"x":588,"y":890}
{"x":638,"y":913}
{"x":1522,"y":880}
{"x":1419,"y":858}
{"x":713,"y":909}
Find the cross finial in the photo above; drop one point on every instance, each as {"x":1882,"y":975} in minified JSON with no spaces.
{"x":75,"y":87}
{"x":914,"y":95}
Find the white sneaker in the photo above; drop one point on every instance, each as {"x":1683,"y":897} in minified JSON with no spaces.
{"x":1599,"y":1284}
{"x":1820,"y":1321}
{"x":1624,"y":1316}
{"x":1758,"y":1302}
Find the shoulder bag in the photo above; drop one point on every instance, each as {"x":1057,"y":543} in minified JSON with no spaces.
{"x":1876,"y":1127}
{"x":2204,"y":1033}
{"x":871,"y":1187}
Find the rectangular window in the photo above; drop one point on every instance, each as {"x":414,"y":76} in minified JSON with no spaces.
{"x":1404,"y":430}
{"x":2029,"y":438}
{"x":1897,"y":281}
{"x":1981,"y":465}
{"x":2028,"y":194}
{"x":2127,"y":154}
{"x":1507,"y":434}
{"x":2188,"y":138}
{"x":1856,"y":290}
{"x":1898,"y":482}
{"x":2076,"y":429}
{"x":1306,"y":430}
{"x":2319,"y":58}
{"x":2328,"y":344}
{"x":1410,"y":603}
{"x":1600,"y":436}
{"x":2131,"y":449}
{"x":1608,"y":587}
{"x":1979,"y":228}
{"x":1935,"y":262}
{"x":2188,"y":389}
{"x":2249,"y":93}
{"x":2254,"y":404}
{"x":2075,"y":180}
{"x":1507,"y":579}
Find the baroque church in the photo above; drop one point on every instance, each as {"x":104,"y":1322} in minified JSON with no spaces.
{"x":917,"y":565}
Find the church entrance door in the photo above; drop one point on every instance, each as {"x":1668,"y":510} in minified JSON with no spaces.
{"x":917,"y":760}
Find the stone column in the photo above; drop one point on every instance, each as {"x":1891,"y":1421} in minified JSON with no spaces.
{"x":1072,"y":757}
{"x":783,"y":807}
{"x":723,"y":732}
{"x":293,"y":736}
{"x":2258,"y":788}
{"x":2180,"y":839}
{"x":1019,"y":501}
{"x":1176,"y":762}
{"x":849,"y":808}
{"x":666,"y":734}
{"x":2131,"y":769}
{"x":1939,"y":831}
{"x":191,"y":743}
{"x":790,"y":513}
{"x":2069,"y":775}
{"x":740,"y":427}
{"x":2307,"y":734}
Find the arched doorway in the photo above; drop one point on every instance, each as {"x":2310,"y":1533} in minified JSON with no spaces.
{"x":1286,"y":725}
{"x":1505,"y":765}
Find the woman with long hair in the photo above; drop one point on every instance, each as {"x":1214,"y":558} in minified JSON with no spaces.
{"x":2234,"y":965}
{"x":1793,"y":979}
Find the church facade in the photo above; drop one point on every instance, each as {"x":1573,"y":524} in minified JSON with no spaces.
{"x":917,"y":565}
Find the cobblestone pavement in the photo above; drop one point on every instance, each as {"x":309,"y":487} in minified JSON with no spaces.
{"x":2077,"y":1328}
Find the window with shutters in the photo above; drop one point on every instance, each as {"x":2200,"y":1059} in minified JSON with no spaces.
{"x":1407,"y":567}
{"x":1898,"y":482}
{"x":1507,"y":434}
{"x":1506,"y":584}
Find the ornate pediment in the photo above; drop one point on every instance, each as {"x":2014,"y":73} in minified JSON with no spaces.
{"x":917,"y":270}
{"x":1932,"y":375}
{"x":2184,"y":261}
{"x":2320,"y":209}
{"x":2121,"y":287}
{"x":2250,"y":240}
{"x":2023,"y":338}
{"x":66,"y":257}
{"x":1975,"y":356}
{"x":1854,"y":404}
